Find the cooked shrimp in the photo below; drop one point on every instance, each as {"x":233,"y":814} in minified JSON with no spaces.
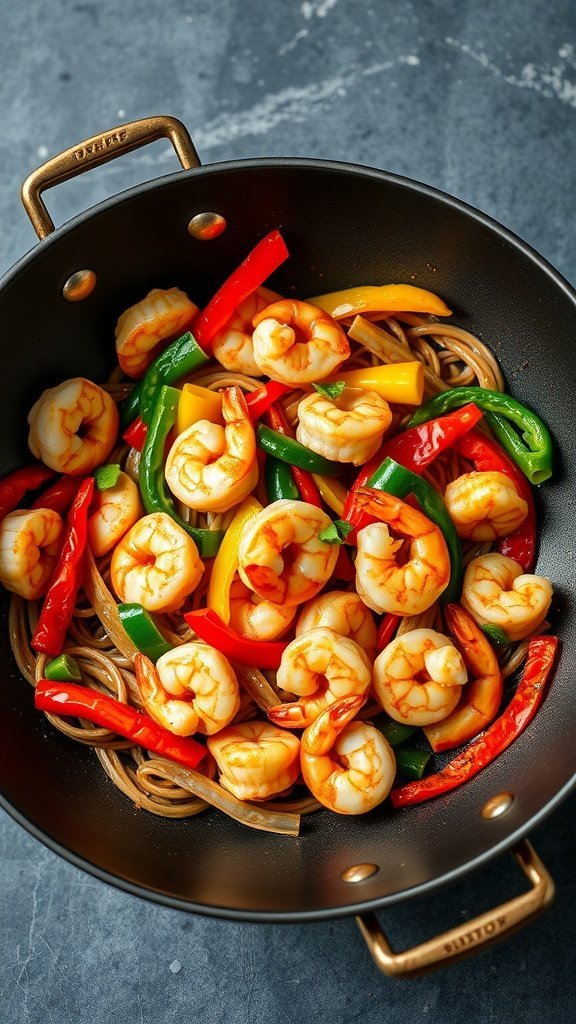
{"x":156,"y":564}
{"x":280,"y":557}
{"x":232,"y":346}
{"x":497,"y":593}
{"x":161,"y":315}
{"x":320,"y":667}
{"x":255,"y":617}
{"x":345,"y":613}
{"x":297,"y":343}
{"x":192,"y":689}
{"x":29,"y":545}
{"x":481,"y":698}
{"x":484,"y":506}
{"x":256,"y":761}
{"x":113,"y":512}
{"x":385,"y":586}
{"x":418,"y":678}
{"x":348,"y":766}
{"x":73,"y":427}
{"x":210,"y":467}
{"x":349,"y":428}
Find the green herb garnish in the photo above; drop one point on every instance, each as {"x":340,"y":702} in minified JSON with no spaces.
{"x":336,"y":533}
{"x":331,"y":390}
{"x":106,"y":477}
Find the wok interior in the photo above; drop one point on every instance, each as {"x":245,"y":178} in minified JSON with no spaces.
{"x":343,"y":227}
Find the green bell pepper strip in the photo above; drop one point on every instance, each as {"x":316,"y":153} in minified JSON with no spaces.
{"x":182,"y":356}
{"x":129,"y":408}
{"x":63,"y":669}
{"x":279,"y":480}
{"x":396,"y":732}
{"x":531,"y":448}
{"x":399,"y":481}
{"x":155,"y":494}
{"x":142,"y":631}
{"x":411,"y":762}
{"x":289,"y":450}
{"x":496,"y":636}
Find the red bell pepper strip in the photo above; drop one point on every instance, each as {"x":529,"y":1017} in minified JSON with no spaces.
{"x":309,"y":492}
{"x":259,"y":401}
{"x":135,"y":434}
{"x":488,"y":456}
{"x":208,"y":625}
{"x":70,"y":699}
{"x":414,"y":449}
{"x":60,"y":495}
{"x":498,"y":737}
{"x":262,"y":261}
{"x":386,"y":631}
{"x":59,"y":602}
{"x":344,"y":569}
{"x":14,"y":486}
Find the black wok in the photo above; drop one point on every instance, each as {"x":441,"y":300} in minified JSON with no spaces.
{"x":344,"y":225}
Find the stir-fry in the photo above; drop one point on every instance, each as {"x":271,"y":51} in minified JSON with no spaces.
{"x":283,"y":559}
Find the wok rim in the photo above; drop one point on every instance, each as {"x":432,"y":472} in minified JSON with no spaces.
{"x":356,"y":907}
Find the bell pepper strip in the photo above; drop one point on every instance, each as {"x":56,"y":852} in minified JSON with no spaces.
{"x":130,"y":407}
{"x":197,"y":403}
{"x":396,"y":732}
{"x":63,"y":669}
{"x":332,"y":492}
{"x":259,"y":401}
{"x":16,"y":484}
{"x":142,"y":631}
{"x":386,"y":298}
{"x":58,"y":606}
{"x":411,"y":762}
{"x":71,"y":700}
{"x":60,"y":495}
{"x":264,"y":654}
{"x":289,"y":450}
{"x":486,"y":456}
{"x":182,"y":356}
{"x":495,"y":740}
{"x":386,"y":631}
{"x":106,"y":476}
{"x":279,"y":480}
{"x":531,"y":449}
{"x":225,"y":565}
{"x":304,"y":481}
{"x":262,"y":261}
{"x":415,"y":449}
{"x":153,"y":488}
{"x":401,"y":482}
{"x":401,"y":383}
{"x":344,"y":569}
{"x":496,"y":636}
{"x":135,"y":434}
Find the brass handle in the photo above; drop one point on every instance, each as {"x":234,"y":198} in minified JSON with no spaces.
{"x":98,"y":150}
{"x":467,"y":938}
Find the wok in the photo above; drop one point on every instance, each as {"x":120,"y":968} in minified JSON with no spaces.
{"x":344,"y":225}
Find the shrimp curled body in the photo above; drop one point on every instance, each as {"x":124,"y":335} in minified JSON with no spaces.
{"x":156,"y":564}
{"x":255,"y":617}
{"x":418,"y":677}
{"x":113,"y":512}
{"x":484,"y":506}
{"x":345,"y":613}
{"x":297,"y":343}
{"x":497,"y":593}
{"x":29,"y":545}
{"x":232,"y":346}
{"x":348,"y":428}
{"x":161,"y":315}
{"x":73,"y":427}
{"x":193,"y":690}
{"x":256,"y":760}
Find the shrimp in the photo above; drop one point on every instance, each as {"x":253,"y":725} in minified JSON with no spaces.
{"x":345,"y":613}
{"x":497,"y":593}
{"x":480,"y":700}
{"x":297,"y":343}
{"x":210,"y":467}
{"x":385,"y":586}
{"x":484,"y":506}
{"x":280,"y":557}
{"x":255,"y":617}
{"x":156,"y":564}
{"x":320,"y":667}
{"x":256,"y":761}
{"x":116,"y":510}
{"x":232,"y":346}
{"x":73,"y":427}
{"x":418,"y":678}
{"x":192,"y":689}
{"x":161,"y":315}
{"x":349,"y":428}
{"x":29,"y":545}
{"x":348,"y":766}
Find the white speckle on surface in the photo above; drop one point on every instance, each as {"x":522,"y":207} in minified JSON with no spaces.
{"x":175,"y":966}
{"x":411,"y":59}
{"x":42,"y":152}
{"x":121,"y":113}
{"x":319,"y":8}
{"x":293,"y":42}
{"x":188,"y":19}
{"x":550,"y":80}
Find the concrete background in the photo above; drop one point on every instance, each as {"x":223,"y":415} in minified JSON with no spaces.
{"x":476,"y":99}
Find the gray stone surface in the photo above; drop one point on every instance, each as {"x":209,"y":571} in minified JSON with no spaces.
{"x":477,"y":99}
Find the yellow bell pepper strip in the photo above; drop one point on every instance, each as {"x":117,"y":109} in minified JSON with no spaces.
{"x":332,"y":492}
{"x":402,"y":383}
{"x":386,"y":298}
{"x":225,"y":564}
{"x":196,"y":403}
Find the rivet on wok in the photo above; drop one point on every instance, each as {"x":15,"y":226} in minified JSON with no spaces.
{"x":497,"y":805}
{"x":206,"y":226}
{"x":358,"y":872}
{"x":79,"y":286}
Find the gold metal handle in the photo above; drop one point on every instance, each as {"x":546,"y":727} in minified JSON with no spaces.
{"x":98,"y":150}
{"x":467,"y":938}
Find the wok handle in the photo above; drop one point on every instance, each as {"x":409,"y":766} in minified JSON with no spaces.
{"x":98,"y":150}
{"x":470,"y":937}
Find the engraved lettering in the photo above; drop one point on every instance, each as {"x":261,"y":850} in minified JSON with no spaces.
{"x":475,"y":935}
{"x":104,"y":142}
